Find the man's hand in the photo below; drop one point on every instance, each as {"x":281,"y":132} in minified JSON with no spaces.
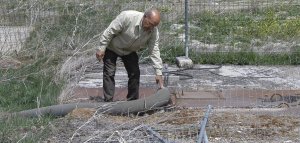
{"x":159,"y":81}
{"x":100,"y":55}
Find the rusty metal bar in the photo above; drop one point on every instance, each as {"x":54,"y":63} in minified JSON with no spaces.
{"x":202,"y":138}
{"x":157,"y":135}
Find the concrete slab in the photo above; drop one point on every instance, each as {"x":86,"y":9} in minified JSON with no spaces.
{"x":85,"y":93}
{"x":95,"y":79}
{"x":220,"y":86}
{"x":200,"y":95}
{"x":242,"y":98}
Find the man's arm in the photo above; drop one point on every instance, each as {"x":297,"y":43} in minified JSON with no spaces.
{"x":155,"y":56}
{"x":113,"y":29}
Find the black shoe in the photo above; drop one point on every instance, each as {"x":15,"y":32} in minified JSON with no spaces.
{"x":130,"y":99}
{"x":108,"y":100}
{"x":97,"y":98}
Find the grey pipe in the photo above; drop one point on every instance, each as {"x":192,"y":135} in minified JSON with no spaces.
{"x":160,"y":98}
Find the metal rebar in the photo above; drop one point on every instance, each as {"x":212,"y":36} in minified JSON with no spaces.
{"x":157,"y":135}
{"x":166,"y":75}
{"x":202,"y":134}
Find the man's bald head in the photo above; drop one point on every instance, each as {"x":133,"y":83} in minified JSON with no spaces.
{"x":151,"y":19}
{"x":153,"y":14}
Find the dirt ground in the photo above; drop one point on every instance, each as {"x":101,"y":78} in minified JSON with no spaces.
{"x":179,"y":125}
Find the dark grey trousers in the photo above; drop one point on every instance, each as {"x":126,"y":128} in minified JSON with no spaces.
{"x":132,"y":67}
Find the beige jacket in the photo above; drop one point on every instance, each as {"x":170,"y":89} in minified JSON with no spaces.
{"x":125,"y":35}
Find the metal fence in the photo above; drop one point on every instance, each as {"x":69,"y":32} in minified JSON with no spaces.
{"x":84,"y":19}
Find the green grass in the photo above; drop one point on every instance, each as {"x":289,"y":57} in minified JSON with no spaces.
{"x":236,"y":58}
{"x":280,"y":23}
{"x":21,"y":89}
{"x":247,"y":58}
{"x":29,"y":86}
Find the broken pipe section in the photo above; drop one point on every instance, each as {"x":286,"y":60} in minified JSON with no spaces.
{"x":160,"y":98}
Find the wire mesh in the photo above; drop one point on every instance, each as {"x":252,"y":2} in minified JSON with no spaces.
{"x":221,"y":31}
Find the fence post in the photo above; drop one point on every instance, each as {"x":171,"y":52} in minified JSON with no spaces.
{"x":186,"y":20}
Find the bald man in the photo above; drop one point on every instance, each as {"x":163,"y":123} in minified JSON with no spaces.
{"x":127,"y":33}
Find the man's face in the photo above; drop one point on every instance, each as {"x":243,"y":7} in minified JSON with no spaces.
{"x":149,"y":23}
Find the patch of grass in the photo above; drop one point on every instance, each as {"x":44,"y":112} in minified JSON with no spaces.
{"x":246,"y":58}
{"x":295,"y":56}
{"x":243,"y":57}
{"x":280,"y":23}
{"x":169,"y":53}
{"x":28,"y":86}
{"x":165,"y":9}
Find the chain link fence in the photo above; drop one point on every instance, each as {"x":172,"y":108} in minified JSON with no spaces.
{"x":214,"y":25}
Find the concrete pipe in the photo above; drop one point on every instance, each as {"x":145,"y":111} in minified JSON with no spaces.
{"x":160,"y":98}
